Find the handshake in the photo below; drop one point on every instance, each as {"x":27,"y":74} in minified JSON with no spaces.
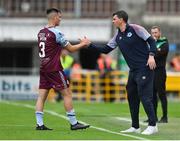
{"x":85,"y":41}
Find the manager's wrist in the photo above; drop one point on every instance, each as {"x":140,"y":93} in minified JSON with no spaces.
{"x":151,"y":54}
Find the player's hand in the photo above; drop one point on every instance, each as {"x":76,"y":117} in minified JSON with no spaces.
{"x":151,"y":62}
{"x":85,"y":41}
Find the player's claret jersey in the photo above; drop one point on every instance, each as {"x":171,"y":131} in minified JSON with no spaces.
{"x":50,"y":43}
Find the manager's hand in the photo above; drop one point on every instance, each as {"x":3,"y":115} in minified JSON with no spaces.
{"x":151,"y":62}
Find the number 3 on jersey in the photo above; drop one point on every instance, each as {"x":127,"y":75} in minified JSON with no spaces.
{"x":42,"y":49}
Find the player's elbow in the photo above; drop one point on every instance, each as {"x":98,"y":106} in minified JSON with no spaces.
{"x":71,"y":50}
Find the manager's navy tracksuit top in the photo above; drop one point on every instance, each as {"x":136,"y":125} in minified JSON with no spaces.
{"x":135,"y":43}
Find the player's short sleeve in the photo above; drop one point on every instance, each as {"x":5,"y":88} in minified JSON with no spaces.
{"x":141,"y":31}
{"x":60,"y":39}
{"x":112,"y":43}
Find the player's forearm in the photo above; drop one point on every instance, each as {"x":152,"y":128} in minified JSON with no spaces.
{"x":74,"y":48}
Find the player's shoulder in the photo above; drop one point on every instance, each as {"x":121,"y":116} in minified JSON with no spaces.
{"x":41,"y":30}
{"x":54,"y":29}
{"x":41,"y":33}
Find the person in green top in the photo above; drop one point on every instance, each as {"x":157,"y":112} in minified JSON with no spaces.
{"x":67,"y":62}
{"x":162,"y":46}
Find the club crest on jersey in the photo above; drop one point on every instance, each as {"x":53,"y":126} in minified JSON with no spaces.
{"x":120,"y":38}
{"x":129,"y":34}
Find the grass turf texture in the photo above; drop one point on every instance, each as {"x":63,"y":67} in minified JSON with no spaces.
{"x":17,"y":122}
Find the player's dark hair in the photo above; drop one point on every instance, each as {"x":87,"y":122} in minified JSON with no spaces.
{"x":52,"y":10}
{"x":121,"y":14}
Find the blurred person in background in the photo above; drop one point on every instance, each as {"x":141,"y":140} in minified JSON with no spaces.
{"x":76,"y":70}
{"x":105,"y":64}
{"x":51,"y":42}
{"x":133,"y":42}
{"x":175,"y":62}
{"x":67,"y":62}
{"x":162,"y":46}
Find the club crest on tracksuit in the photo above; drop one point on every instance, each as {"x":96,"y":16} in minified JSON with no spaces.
{"x":129,"y":34}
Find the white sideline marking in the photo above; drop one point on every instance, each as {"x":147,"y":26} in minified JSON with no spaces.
{"x":64,"y":117}
{"x":129,"y":120}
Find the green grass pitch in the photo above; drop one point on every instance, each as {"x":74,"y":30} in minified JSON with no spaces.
{"x":17,"y":122}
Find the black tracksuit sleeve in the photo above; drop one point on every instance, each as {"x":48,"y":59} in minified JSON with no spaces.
{"x":101,"y":48}
{"x":152,"y":45}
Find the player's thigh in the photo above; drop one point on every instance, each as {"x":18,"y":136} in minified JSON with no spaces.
{"x":58,"y":80}
{"x":44,"y":82}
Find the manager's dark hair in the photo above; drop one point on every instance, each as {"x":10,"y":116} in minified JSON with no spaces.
{"x":52,"y":10}
{"x":121,"y":14}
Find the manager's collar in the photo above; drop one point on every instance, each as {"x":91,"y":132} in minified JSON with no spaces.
{"x":127,"y":27}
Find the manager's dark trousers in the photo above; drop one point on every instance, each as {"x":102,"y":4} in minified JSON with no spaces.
{"x":160,"y":90}
{"x":140,"y":88}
